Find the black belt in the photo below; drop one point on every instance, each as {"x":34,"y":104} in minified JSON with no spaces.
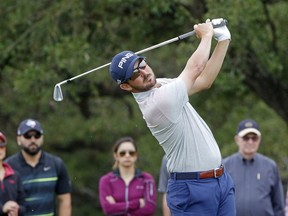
{"x":215,"y":173}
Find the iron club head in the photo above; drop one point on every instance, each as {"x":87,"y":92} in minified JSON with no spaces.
{"x":57,"y":94}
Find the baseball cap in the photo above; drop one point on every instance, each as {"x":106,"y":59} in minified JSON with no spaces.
{"x":28,"y":125}
{"x":248,"y":126}
{"x":3,"y":140}
{"x":121,"y":68}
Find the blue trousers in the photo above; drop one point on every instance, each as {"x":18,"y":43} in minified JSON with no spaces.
{"x":202,"y":197}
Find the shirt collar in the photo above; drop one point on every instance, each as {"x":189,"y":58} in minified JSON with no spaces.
{"x":240,"y":156}
{"x":41,"y":159}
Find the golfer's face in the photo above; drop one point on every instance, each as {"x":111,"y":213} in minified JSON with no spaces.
{"x":143,"y":78}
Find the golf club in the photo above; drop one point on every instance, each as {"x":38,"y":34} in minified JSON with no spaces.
{"x":57,"y":94}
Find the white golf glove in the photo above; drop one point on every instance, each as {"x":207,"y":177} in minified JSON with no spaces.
{"x":221,"y":33}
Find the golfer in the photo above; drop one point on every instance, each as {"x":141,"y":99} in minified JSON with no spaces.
{"x":198,"y":184}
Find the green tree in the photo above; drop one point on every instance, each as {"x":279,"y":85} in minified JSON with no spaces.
{"x":45,"y":42}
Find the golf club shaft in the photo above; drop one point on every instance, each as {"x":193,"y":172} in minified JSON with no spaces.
{"x":57,"y":95}
{"x":180,"y":37}
{"x":138,"y":52}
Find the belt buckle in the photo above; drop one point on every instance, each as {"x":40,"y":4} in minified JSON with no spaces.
{"x":215,"y":173}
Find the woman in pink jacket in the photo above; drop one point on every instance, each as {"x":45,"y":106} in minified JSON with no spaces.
{"x":127,"y":191}
{"x":11,"y":190}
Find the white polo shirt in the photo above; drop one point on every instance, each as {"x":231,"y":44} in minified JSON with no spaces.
{"x":186,"y":139}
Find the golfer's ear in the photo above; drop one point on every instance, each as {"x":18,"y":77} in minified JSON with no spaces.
{"x":125,"y":86}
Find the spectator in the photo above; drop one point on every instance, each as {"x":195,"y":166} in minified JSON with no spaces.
{"x":127,"y":191}
{"x":162,"y":186}
{"x":11,"y":192}
{"x":258,"y":187}
{"x":44,"y":175}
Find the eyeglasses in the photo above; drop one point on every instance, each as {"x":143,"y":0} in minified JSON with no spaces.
{"x":136,"y":71}
{"x":131,"y":153}
{"x":253,"y":138}
{"x":29,"y":136}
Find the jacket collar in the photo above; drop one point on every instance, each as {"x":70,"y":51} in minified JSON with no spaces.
{"x":137,"y":174}
{"x":8,"y":169}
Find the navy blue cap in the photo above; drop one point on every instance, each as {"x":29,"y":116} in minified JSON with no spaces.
{"x":248,"y":126}
{"x":3,"y":140}
{"x":122,"y":65}
{"x":28,"y":125}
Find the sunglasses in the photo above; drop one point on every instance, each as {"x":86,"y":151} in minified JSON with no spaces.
{"x":253,"y":138}
{"x":136,"y":71}
{"x":29,"y":136}
{"x":131,"y":153}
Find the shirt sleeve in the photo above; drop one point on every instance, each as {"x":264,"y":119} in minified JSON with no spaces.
{"x":277,"y":196}
{"x":63,"y":183}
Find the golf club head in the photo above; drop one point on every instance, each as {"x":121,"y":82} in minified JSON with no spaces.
{"x":57,"y":94}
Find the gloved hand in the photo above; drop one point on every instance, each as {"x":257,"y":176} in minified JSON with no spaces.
{"x":221,"y":33}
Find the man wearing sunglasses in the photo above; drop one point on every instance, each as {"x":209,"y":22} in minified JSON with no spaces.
{"x":44,"y":175}
{"x":258,"y":186}
{"x":198,"y":184}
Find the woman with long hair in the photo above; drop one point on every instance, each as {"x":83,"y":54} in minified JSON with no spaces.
{"x":126,"y":190}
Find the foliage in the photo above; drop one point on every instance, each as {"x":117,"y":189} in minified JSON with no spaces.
{"x":45,"y":42}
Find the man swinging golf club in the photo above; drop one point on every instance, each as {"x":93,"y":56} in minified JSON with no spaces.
{"x":198,"y":184}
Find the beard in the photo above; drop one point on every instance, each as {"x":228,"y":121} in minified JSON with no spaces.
{"x":31,"y":151}
{"x":149,"y":81}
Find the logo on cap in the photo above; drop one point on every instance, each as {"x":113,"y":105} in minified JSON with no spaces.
{"x":124,"y":59}
{"x":248,"y":126}
{"x":31,"y":123}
